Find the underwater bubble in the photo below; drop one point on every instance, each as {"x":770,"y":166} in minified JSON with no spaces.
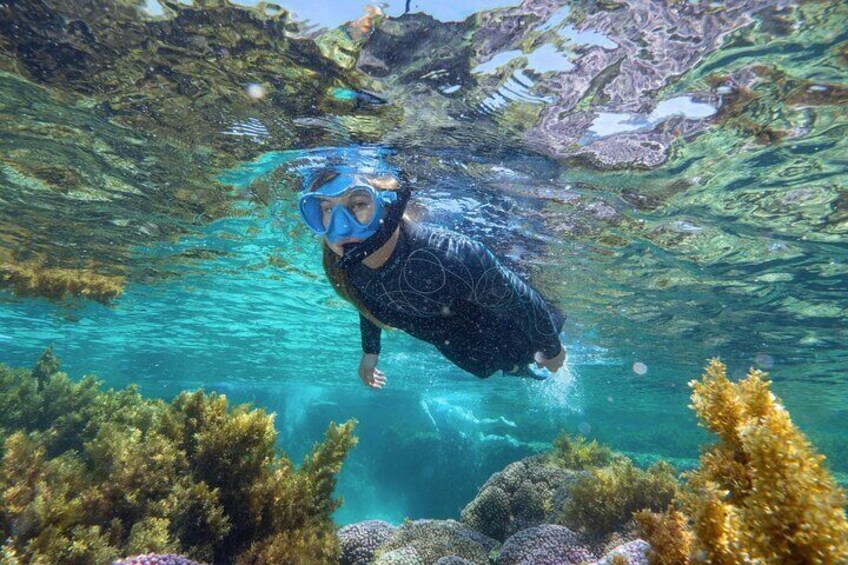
{"x":610,"y":399}
{"x":256,"y":91}
{"x":584,"y":428}
{"x":764,"y":360}
{"x":640,"y":368}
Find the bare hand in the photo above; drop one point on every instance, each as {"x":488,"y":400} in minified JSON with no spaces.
{"x":369,"y":374}
{"x":552,"y":365}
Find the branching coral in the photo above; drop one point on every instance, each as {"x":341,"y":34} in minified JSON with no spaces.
{"x":89,"y":475}
{"x":762,"y":494}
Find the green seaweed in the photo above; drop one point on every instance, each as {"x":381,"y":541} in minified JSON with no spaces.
{"x":578,"y":454}
{"x":88,"y":475}
{"x":606,"y":497}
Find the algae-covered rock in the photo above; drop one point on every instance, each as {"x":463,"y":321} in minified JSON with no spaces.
{"x":433,"y":539}
{"x":185,"y":76}
{"x":544,"y":545}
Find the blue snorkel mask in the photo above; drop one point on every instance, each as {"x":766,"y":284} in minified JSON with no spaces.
{"x":343,"y":223}
{"x":388,"y":209}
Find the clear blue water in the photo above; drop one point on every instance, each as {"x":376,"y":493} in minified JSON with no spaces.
{"x":732,"y":248}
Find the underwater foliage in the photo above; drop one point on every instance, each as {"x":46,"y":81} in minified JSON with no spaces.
{"x":577,"y":453}
{"x":670,"y":538}
{"x":606,"y":497}
{"x":57,"y":283}
{"x":116,"y":124}
{"x":88,"y":476}
{"x":760,"y":495}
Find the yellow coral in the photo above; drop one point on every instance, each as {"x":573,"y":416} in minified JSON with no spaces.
{"x":762,"y":495}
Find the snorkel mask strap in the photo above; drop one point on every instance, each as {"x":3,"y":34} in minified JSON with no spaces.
{"x":354,"y":253}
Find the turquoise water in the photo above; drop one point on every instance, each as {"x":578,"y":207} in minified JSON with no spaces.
{"x":735,"y":246}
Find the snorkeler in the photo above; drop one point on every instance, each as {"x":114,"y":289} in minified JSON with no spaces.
{"x":436,"y":285}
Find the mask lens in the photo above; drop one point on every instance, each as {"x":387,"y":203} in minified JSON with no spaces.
{"x":310,"y":210}
{"x":360,"y":204}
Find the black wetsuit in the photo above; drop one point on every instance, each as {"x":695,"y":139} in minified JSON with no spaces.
{"x":449,"y":290}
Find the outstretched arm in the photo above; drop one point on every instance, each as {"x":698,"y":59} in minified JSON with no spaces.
{"x":370,"y":333}
{"x":369,"y":374}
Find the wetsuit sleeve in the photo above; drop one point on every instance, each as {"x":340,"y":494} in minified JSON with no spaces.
{"x":370,"y":335}
{"x":491,"y":285}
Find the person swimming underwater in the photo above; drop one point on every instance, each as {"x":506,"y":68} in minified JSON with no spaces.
{"x":436,"y":285}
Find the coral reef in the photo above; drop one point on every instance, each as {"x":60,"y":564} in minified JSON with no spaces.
{"x":453,"y":560}
{"x":544,"y":545}
{"x":631,"y":553}
{"x":517,"y":497}
{"x":156,"y":559}
{"x":762,"y":494}
{"x":88,"y":475}
{"x":578,"y":484}
{"x":402,"y":556}
{"x":433,"y":539}
{"x":359,"y":541}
